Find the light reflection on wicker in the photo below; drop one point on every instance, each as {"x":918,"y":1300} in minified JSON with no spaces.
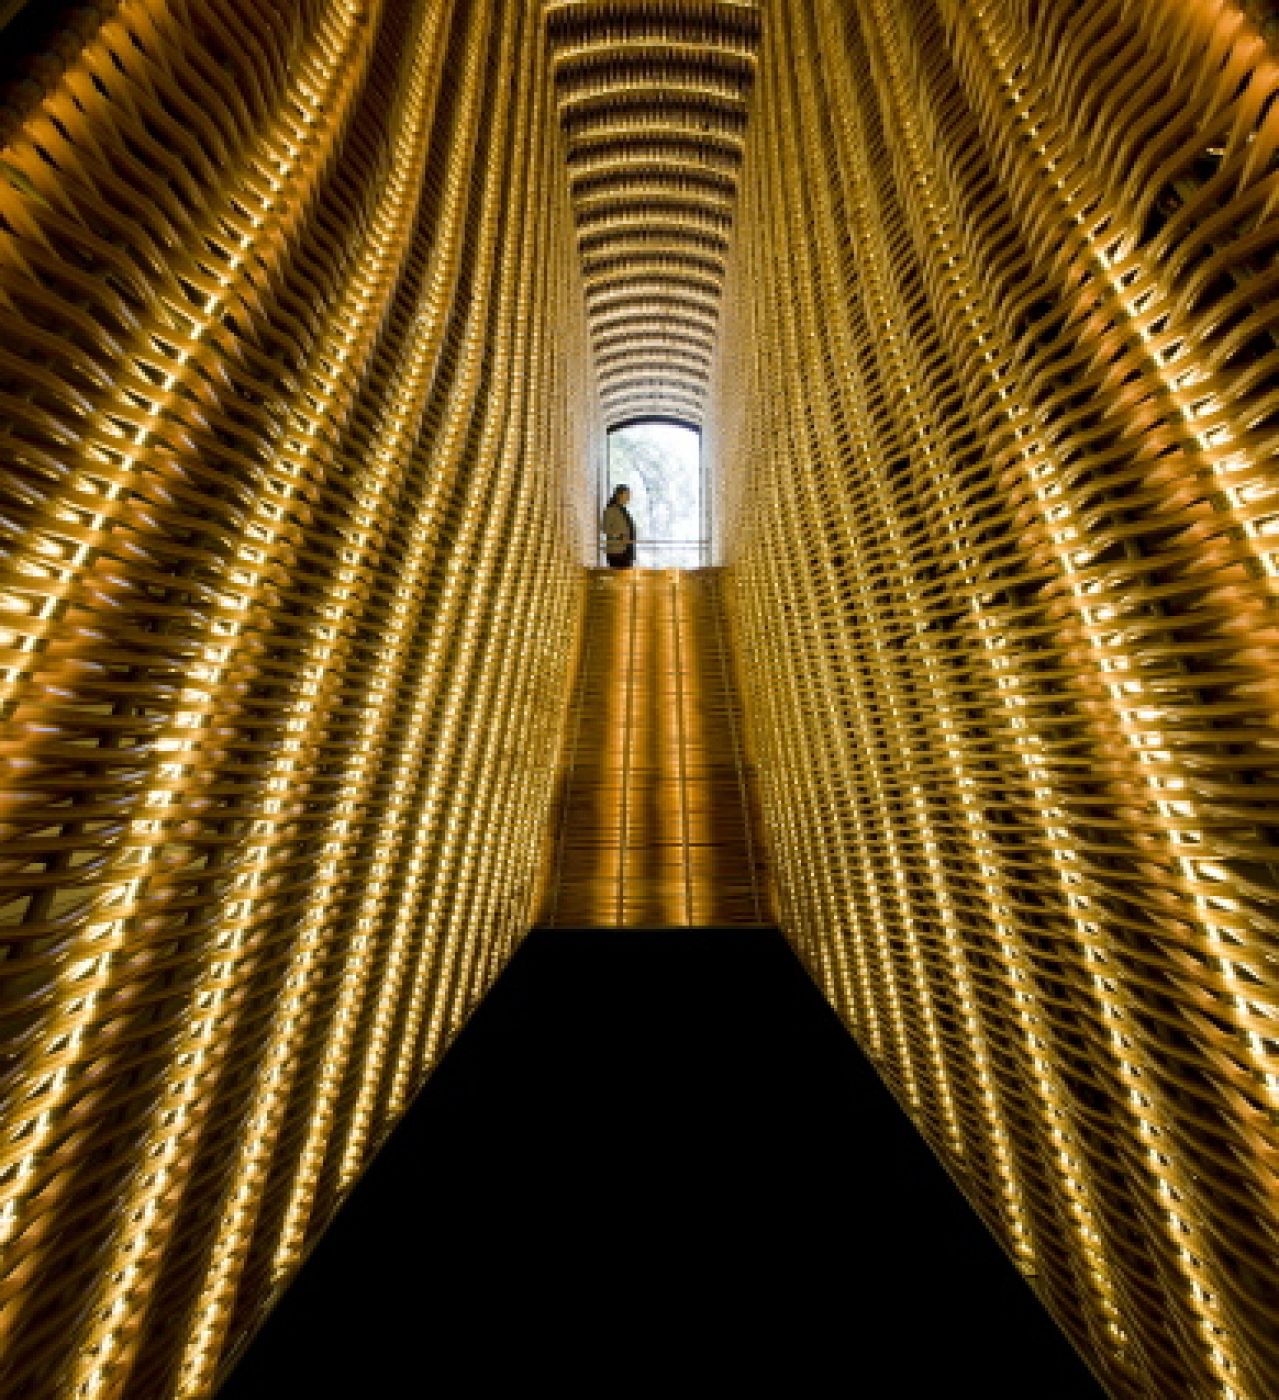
{"x":996,"y":411}
{"x":656,"y":823}
{"x":287,"y":360}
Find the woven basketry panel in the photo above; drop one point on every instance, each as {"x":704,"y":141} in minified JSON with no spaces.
{"x":996,"y":406}
{"x":292,"y":363}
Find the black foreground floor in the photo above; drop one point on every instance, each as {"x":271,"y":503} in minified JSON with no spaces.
{"x":656,"y":1161}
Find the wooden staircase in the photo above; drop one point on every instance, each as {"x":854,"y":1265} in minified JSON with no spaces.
{"x":657,"y":823}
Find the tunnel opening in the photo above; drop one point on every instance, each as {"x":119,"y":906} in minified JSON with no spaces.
{"x":662,"y":462}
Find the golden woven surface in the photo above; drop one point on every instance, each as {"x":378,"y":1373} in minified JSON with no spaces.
{"x":292,"y":363}
{"x":297,"y":393}
{"x":652,"y":97}
{"x":997,"y":409}
{"x":656,"y":822}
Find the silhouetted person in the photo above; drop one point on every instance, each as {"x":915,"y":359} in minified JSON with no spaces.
{"x":619,"y":530}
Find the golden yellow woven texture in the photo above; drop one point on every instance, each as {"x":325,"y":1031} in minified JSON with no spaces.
{"x":652,"y":98}
{"x":291,"y":331}
{"x":997,"y":420}
{"x":656,"y":822}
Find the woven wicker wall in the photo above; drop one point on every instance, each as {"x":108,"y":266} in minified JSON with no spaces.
{"x":295,"y":424}
{"x":293,"y":404}
{"x":997,"y":413}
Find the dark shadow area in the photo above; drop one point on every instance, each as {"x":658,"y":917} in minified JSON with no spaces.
{"x":658,"y":1160}
{"x":27,"y":28}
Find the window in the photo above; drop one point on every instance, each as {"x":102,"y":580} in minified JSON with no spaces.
{"x":662,"y":464}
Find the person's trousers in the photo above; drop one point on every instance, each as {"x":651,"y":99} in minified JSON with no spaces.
{"x":623,"y":559}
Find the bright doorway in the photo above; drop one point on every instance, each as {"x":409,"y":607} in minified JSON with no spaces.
{"x":661,"y":462}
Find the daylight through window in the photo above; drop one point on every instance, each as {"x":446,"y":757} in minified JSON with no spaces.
{"x":662,"y":464}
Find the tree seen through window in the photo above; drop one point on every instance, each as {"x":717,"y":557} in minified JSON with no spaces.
{"x":661,"y":463}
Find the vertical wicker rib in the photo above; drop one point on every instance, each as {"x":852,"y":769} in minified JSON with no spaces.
{"x":292,"y":331}
{"x":997,"y":403}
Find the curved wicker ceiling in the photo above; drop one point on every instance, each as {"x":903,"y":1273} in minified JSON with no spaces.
{"x":652,"y":97}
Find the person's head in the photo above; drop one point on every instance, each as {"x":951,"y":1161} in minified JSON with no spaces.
{"x":621,"y":494}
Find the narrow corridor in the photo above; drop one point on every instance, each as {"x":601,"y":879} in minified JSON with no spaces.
{"x":626,"y":1173}
{"x":319,"y":324}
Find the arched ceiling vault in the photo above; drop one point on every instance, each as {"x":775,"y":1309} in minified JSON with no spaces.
{"x":652,"y":97}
